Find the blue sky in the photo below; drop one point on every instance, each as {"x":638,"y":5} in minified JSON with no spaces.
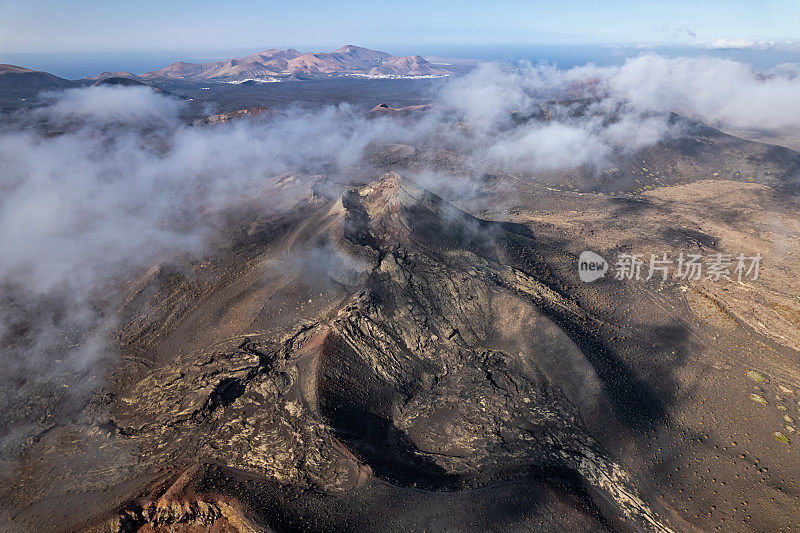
{"x":147,"y":25}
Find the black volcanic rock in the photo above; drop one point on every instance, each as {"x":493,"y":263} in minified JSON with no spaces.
{"x":120,"y":81}
{"x":386,"y":357}
{"x":370,"y":357}
{"x":262,"y":112}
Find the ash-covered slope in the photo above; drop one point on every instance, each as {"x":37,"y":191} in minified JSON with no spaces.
{"x":371,"y":346}
{"x":13,"y":78}
{"x":18,"y":84}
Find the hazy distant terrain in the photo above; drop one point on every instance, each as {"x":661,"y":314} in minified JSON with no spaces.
{"x":353,"y":75}
{"x":356,"y":304}
{"x":271,"y":66}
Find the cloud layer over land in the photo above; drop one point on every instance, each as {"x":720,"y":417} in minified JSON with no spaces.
{"x":100,"y":183}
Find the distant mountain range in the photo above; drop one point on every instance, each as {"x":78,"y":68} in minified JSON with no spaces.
{"x":18,"y":84}
{"x":284,"y":65}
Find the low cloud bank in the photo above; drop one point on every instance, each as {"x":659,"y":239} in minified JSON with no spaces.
{"x":720,"y":92}
{"x":123,"y":183}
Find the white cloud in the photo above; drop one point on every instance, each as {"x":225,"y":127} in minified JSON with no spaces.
{"x":720,"y":92}
{"x":110,"y":104}
{"x":724,"y":44}
{"x":126,"y":183}
{"x":749,"y":44}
